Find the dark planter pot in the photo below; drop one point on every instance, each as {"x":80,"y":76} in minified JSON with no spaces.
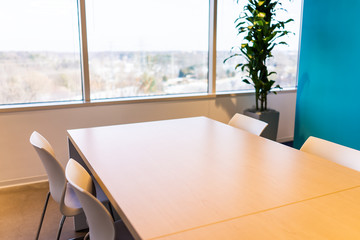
{"x":271,"y":117}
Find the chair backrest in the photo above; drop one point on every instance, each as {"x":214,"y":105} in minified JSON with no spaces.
{"x":101,"y":225}
{"x":248,"y":124}
{"x":54,"y":170}
{"x":342,"y":155}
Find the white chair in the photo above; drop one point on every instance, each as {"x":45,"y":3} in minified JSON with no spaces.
{"x":101,"y":224}
{"x":59,"y":189}
{"x":248,"y":124}
{"x":342,"y":155}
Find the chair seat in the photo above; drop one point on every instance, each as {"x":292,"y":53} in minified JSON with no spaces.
{"x":72,"y":201}
{"x":69,"y":203}
{"x":101,"y":223}
{"x":337,"y":153}
{"x":248,"y":124}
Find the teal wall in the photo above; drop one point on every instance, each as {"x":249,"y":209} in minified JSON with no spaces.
{"x":328,"y":97}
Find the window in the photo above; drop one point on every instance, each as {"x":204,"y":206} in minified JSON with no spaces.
{"x":142,"y":48}
{"x":285,"y":58}
{"x":134,"y":48}
{"x":39,"y":51}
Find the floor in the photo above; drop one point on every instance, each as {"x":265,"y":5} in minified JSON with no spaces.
{"x":20,"y":212}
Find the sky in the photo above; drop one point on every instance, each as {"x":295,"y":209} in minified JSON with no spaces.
{"x":35,"y":25}
{"x":148,"y":25}
{"x":120,"y":25}
{"x":229,"y":10}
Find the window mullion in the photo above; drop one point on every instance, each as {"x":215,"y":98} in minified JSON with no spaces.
{"x":212,"y":47}
{"x":84,"y":52}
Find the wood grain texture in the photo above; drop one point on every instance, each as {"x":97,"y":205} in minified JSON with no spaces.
{"x":331,"y":217}
{"x":169,"y":176}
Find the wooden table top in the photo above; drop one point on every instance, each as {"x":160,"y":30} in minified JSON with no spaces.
{"x":329,"y":217}
{"x":175,"y":176}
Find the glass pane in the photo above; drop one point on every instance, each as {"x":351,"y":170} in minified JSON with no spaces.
{"x":285,"y":58}
{"x":142,"y":48}
{"x":39,"y":51}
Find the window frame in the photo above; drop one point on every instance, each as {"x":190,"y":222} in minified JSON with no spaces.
{"x":85,"y":75}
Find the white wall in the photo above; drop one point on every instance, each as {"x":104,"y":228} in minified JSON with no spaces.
{"x":19,"y":163}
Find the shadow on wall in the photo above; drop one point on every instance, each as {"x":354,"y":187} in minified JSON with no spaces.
{"x":300,"y":132}
{"x":232,"y":105}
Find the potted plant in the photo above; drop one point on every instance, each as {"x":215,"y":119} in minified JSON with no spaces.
{"x":262,"y":31}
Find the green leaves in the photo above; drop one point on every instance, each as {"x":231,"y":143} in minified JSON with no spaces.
{"x":257,"y":22}
{"x":261,"y":15}
{"x":246,"y":81}
{"x":239,"y":65}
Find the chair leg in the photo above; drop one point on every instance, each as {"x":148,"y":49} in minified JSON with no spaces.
{"x":60,"y":227}
{"x":87,"y":236}
{"x":42,"y":215}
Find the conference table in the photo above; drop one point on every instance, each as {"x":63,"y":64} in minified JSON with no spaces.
{"x":197,"y":178}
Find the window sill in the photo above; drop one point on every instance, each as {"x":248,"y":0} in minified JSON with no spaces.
{"x":127,"y":100}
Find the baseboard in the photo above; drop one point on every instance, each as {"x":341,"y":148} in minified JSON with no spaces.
{"x":23,"y":181}
{"x":285,"y":139}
